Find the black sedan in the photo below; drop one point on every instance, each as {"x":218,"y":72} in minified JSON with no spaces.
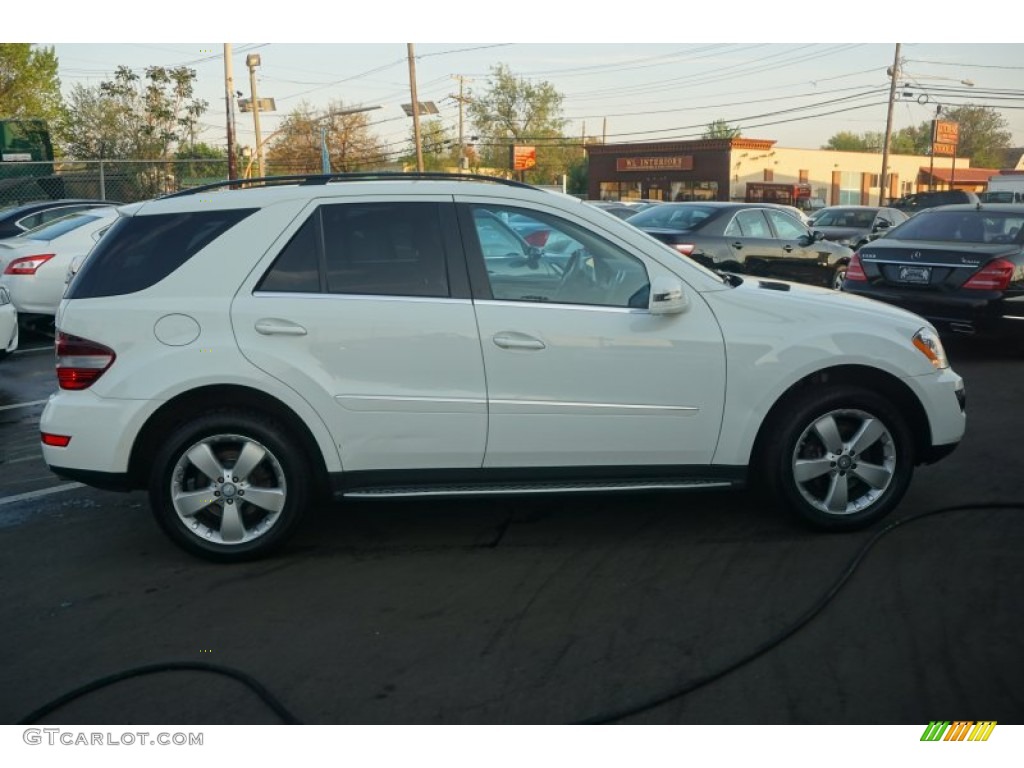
{"x":855,"y":225}
{"x":959,"y":266}
{"x":747,"y":238}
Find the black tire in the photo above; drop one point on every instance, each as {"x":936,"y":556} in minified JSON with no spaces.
{"x":275,"y":471}
{"x":810,"y":458}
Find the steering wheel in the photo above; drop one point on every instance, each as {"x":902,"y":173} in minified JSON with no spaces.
{"x":576,"y":276}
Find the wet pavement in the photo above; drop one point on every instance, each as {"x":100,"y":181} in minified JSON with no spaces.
{"x":540,"y":611}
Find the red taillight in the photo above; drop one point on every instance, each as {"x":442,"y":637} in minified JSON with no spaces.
{"x":58,"y":441}
{"x":80,"y":361}
{"x":684,"y":248}
{"x":27,"y":265}
{"x":855,"y":270}
{"x":539,"y":238}
{"x":994,"y":276}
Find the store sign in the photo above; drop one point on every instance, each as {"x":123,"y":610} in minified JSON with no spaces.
{"x":938,"y":148}
{"x":947,"y":132}
{"x":676,"y":163}
{"x":523,"y":158}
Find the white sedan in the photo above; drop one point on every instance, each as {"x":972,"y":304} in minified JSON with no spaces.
{"x":8,"y":325}
{"x":34,"y":266}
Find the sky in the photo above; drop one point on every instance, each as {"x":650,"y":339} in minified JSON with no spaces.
{"x":758,"y":78}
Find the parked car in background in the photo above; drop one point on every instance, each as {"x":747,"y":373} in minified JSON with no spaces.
{"x":961,"y":267}
{"x":911,"y":204}
{"x":33,"y":267}
{"x":641,"y":204}
{"x":854,"y":225}
{"x":240,"y":353}
{"x":615,"y":209}
{"x":20,"y":219}
{"x":8,"y":325}
{"x":749,"y":238}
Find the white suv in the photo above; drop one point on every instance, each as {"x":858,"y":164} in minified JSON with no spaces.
{"x":236,"y":351}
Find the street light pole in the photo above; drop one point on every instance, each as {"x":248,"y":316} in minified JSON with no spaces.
{"x":229,"y":89}
{"x":415,"y":109}
{"x":252,"y":61}
{"x":895,"y":73}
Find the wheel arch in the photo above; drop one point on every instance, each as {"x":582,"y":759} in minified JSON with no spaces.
{"x":873,"y":379}
{"x":205,"y":399}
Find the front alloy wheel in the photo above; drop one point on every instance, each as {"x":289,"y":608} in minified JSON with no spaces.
{"x":844,"y":462}
{"x":841,"y":458}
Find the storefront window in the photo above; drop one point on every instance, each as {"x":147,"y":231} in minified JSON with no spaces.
{"x":621,"y":190}
{"x":683,"y":191}
{"x":849,"y":188}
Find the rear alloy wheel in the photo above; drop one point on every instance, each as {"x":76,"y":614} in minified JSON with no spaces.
{"x":229,"y":486}
{"x":838,"y":276}
{"x":843,"y":459}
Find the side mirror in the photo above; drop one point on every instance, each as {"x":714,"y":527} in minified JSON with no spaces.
{"x":817,"y":235}
{"x":881,"y":224}
{"x":667,"y":297}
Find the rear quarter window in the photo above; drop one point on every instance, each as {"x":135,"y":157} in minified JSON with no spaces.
{"x":140,"y":251}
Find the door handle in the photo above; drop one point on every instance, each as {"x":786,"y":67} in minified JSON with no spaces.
{"x":737,"y":244}
{"x":275,"y":327}
{"x":512,"y":340}
{"x":787,"y":248}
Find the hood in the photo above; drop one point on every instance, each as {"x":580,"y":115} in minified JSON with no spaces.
{"x":830,"y":306}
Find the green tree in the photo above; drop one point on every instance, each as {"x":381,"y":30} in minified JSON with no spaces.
{"x":847,"y":141}
{"x":133,"y":118}
{"x":29,"y":86}
{"x":351,"y":145}
{"x":205,"y":163}
{"x":513,"y":110}
{"x":912,"y":140}
{"x":440,"y":148}
{"x":719,"y":129}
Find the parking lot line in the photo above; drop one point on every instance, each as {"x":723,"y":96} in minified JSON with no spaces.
{"x":41,"y":492}
{"x":22,"y":405}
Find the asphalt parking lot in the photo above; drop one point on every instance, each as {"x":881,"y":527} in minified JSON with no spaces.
{"x":608,"y":608}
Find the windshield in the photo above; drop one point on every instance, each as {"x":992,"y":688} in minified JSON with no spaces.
{"x":844,"y":217}
{"x":970,"y":226}
{"x":61,"y":226}
{"x":679,"y":216}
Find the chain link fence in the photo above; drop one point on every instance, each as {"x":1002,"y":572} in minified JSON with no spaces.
{"x":120,"y":181}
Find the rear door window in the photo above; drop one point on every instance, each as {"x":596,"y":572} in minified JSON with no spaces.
{"x":140,"y":251}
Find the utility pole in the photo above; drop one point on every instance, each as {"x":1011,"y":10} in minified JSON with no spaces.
{"x":462,"y":100}
{"x":415,"y":109}
{"x":252,"y":61}
{"x":895,"y":73}
{"x":229,"y":90}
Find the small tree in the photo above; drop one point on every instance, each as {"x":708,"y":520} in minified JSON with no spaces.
{"x":719,"y":129}
{"x":351,"y":145}
{"x":513,"y":110}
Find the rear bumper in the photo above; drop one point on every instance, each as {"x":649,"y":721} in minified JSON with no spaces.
{"x":988,"y":315}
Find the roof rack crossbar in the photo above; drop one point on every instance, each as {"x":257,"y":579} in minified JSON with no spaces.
{"x":325,"y":178}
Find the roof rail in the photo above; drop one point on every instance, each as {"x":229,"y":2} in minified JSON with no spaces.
{"x":325,"y":178}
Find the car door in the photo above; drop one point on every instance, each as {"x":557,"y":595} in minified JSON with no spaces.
{"x":802,"y":258}
{"x":364,"y":310}
{"x":579,"y":372}
{"x":753,"y":247}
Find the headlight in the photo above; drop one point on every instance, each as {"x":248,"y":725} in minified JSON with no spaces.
{"x":927,"y":341}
